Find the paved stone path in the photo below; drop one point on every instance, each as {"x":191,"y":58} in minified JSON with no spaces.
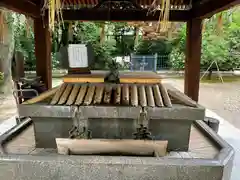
{"x":223,"y":99}
{"x":8,"y":107}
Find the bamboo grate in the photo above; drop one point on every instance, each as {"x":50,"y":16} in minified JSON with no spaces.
{"x":151,"y":95}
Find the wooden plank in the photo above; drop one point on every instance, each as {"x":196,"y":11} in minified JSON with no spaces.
{"x":157,"y":96}
{"x":150,"y":98}
{"x":73,"y":95}
{"x":81,"y":94}
{"x":82,"y":80}
{"x":101,"y":80}
{"x":134,"y":95}
{"x":165,"y":96}
{"x":91,"y":14}
{"x":58,"y":94}
{"x":111,"y":146}
{"x":65,"y":94}
{"x":89,"y":96}
{"x":139,"y":81}
{"x":42,"y":96}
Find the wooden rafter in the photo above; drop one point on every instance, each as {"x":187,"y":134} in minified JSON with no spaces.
{"x":25,"y":7}
{"x":121,"y":15}
{"x":211,"y":7}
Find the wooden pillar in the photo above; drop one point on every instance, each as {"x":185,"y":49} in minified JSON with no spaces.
{"x":193,"y":57}
{"x":43,"y":51}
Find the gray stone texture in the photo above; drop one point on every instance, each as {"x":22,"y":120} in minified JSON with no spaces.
{"x":94,"y":168}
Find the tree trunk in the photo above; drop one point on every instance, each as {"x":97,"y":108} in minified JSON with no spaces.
{"x":136,"y":37}
{"x":65,"y":34}
{"x":6,"y":55}
{"x":102,"y":35}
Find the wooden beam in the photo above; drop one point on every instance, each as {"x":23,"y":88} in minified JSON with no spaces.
{"x":211,"y":7}
{"x":193,"y":57}
{"x":25,"y":7}
{"x":43,"y":51}
{"x":120,"y":15}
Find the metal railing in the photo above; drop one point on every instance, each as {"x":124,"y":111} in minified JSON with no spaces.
{"x":149,"y":62}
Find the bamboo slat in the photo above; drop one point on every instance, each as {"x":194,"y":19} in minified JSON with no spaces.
{"x":107,"y":94}
{"x":165,"y":96}
{"x":142,"y":96}
{"x":183,"y":99}
{"x":150,"y":98}
{"x":98,"y":95}
{"x":73,"y":95}
{"x":42,"y":96}
{"x":58,"y":94}
{"x":134,"y":95}
{"x":89,"y":96}
{"x":157,"y":96}
{"x":81,"y":94}
{"x":65,"y":94}
{"x":117,"y":96}
{"x":125,"y":94}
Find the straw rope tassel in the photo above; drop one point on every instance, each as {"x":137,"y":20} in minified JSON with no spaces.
{"x":54,"y":12}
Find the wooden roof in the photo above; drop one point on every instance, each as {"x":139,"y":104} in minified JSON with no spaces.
{"x":176,"y":4}
{"x":181,"y":10}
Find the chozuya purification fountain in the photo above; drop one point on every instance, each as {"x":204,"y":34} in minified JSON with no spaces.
{"x":113,"y":126}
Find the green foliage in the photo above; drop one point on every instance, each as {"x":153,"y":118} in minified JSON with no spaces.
{"x":1,"y":76}
{"x":85,"y":32}
{"x":102,"y":56}
{"x":24,"y":43}
{"x":124,"y":40}
{"x":153,"y":47}
{"x":177,"y":59}
{"x":222,"y":47}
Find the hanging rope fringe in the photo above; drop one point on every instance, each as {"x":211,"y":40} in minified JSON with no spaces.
{"x":28,"y":24}
{"x":219,"y":23}
{"x":54,"y":12}
{"x":163,"y":21}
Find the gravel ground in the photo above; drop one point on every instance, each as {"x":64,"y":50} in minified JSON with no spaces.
{"x":223,"y":99}
{"x":7,"y":107}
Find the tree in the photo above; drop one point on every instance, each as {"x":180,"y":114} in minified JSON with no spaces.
{"x":153,"y":46}
{"x":177,"y":57}
{"x":24,"y":40}
{"x":220,"y":43}
{"x":6,"y":51}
